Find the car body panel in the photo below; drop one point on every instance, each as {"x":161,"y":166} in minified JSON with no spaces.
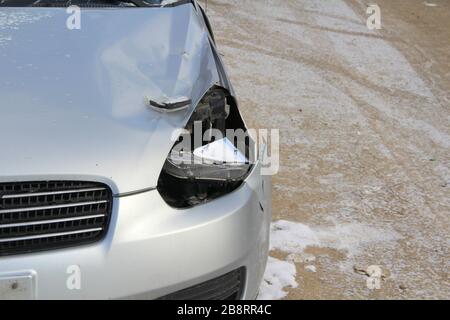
{"x":152,"y":250}
{"x":80,"y":94}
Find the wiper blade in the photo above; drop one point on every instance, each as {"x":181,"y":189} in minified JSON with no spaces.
{"x":174,"y":3}
{"x":92,"y":3}
{"x":81,"y":3}
{"x":143,"y":3}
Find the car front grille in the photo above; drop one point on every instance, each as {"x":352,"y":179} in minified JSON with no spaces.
{"x":44,"y":215}
{"x":227,"y":287}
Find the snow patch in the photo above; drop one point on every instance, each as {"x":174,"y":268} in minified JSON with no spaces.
{"x":279,"y":275}
{"x":294,"y":237}
{"x":11,"y":19}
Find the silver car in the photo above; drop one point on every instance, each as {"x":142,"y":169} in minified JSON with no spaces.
{"x":118,"y":176}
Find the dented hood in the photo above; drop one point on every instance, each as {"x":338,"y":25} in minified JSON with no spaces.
{"x":72,"y":102}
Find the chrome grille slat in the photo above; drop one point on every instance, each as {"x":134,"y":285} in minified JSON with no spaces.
{"x":51,"y":235}
{"x":52,"y":207}
{"x":45,"y":215}
{"x":23,"y":195}
{"x":24,"y":224}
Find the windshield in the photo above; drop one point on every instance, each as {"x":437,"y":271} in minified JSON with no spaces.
{"x":88,"y":3}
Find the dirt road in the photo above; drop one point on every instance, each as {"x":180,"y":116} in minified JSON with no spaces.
{"x":364,"y":119}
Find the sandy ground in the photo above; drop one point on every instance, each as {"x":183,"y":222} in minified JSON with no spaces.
{"x":365,"y":137}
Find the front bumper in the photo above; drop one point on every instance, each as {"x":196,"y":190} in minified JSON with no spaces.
{"x":152,"y":250}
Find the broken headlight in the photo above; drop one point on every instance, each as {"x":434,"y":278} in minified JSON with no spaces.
{"x":212,"y":156}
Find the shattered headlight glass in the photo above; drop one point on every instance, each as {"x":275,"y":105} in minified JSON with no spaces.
{"x":212,"y":156}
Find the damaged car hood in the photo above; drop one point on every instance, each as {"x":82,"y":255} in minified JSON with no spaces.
{"x":73,"y":102}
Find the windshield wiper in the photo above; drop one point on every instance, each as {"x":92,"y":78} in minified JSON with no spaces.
{"x":92,"y":3}
{"x":81,"y":3}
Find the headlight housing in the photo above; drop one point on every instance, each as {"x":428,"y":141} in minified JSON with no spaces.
{"x":212,"y":156}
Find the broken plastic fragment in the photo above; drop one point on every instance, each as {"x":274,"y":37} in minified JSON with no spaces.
{"x":222,"y":151}
{"x":169,"y":104}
